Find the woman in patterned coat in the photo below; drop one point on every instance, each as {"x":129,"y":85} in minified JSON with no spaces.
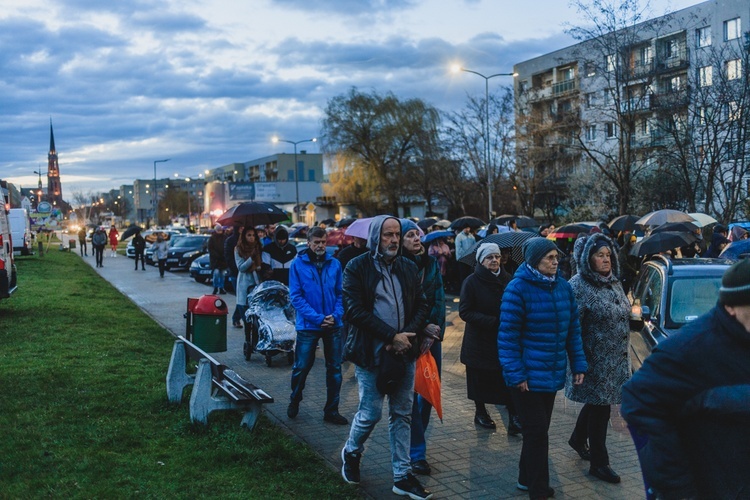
{"x":603,"y":310}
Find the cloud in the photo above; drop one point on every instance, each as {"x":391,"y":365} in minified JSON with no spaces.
{"x":347,"y":7}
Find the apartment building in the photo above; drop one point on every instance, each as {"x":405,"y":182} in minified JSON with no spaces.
{"x":667,"y":95}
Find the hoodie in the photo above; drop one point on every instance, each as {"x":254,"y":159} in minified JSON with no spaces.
{"x":279,"y":258}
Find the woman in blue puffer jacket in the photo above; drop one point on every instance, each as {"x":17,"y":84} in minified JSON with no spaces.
{"x":539,"y":333}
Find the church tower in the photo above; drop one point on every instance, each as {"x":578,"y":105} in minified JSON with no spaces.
{"x":54,"y":188}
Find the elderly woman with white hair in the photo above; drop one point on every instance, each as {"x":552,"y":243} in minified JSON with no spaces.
{"x":481,"y":295}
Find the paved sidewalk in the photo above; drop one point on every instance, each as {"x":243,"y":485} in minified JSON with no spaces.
{"x":467,"y":461}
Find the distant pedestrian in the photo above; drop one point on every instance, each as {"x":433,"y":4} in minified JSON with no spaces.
{"x":464,"y":242}
{"x":357,"y":248}
{"x":315,"y":282}
{"x":139,"y":245}
{"x":161,"y":251}
{"x":229,"y":245}
{"x":687,"y":406}
{"x":98,"y":243}
{"x":278,"y":256}
{"x":113,"y":240}
{"x":216,"y":259}
{"x":82,"y":241}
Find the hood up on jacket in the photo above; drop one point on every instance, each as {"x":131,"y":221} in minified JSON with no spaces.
{"x":582,"y":251}
{"x":373,"y":241}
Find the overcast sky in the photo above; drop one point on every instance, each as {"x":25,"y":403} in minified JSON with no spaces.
{"x":207,"y":83}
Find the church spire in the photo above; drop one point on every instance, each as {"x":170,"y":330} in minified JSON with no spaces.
{"x":51,"y":138}
{"x":54,"y":187}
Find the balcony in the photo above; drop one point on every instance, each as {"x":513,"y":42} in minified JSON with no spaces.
{"x":563,"y":87}
{"x":636,"y":104}
{"x":674,"y":61}
{"x":639,"y":69}
{"x":670,"y":100}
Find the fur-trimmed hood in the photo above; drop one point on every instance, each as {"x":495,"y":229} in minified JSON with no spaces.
{"x":582,"y":250}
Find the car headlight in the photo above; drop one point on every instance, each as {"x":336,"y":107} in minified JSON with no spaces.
{"x":195,"y":265}
{"x":191,"y":254}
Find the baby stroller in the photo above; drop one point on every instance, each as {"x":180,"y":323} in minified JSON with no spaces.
{"x":269,"y":322}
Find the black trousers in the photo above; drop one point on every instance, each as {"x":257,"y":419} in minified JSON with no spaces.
{"x":591,"y":425}
{"x":139,"y":255}
{"x":535,"y":413}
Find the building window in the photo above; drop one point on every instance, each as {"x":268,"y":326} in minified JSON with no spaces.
{"x":607,"y":97}
{"x":645,"y":55}
{"x":590,"y":69}
{"x":611,"y":62}
{"x":676,"y":83}
{"x":703,"y":37}
{"x":705,"y":76}
{"x":310,"y":174}
{"x":645,"y":127}
{"x":591,"y":133}
{"x":732,"y":29}
{"x":588,"y":100}
{"x":672,"y":49}
{"x":734,"y":69}
{"x":733,"y":111}
{"x":290,"y":174}
{"x":611,"y":130}
{"x":704,"y":113}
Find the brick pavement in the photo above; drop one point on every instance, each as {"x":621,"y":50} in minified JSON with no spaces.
{"x":467,"y":461}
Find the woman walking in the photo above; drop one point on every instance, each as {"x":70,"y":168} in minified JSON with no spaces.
{"x":481,"y":295}
{"x":161,"y":250}
{"x":248,"y":260}
{"x":604,"y":311}
{"x":113,"y":240}
{"x":539,"y":332}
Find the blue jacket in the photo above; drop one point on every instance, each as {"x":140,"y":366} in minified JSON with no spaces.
{"x":315,"y":294}
{"x":539,"y":332}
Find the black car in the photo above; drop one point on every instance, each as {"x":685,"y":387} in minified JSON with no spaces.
{"x":668,"y":295}
{"x":186,"y":250}
{"x":200,"y":271}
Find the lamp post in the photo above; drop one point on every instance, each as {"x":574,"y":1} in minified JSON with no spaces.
{"x":296,"y":175}
{"x":188,"y":180}
{"x":487,"y":79}
{"x":39,"y":189}
{"x":156,"y":193}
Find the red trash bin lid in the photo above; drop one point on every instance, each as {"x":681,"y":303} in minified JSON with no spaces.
{"x":211,"y":305}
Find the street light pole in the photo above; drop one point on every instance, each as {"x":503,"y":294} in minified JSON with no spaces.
{"x":296,"y":168}
{"x":156,"y":193}
{"x":487,"y":128}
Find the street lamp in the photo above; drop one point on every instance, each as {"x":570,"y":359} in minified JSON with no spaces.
{"x":39,"y":190}
{"x":456,"y":68}
{"x":296,"y":176}
{"x":156,"y":192}
{"x":188,"y":180}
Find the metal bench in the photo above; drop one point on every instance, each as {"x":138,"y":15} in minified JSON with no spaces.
{"x":215,"y":386}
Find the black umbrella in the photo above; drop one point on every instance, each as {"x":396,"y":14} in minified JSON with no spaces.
{"x":300,"y":232}
{"x":661,"y":242}
{"x":425,"y":224}
{"x":328,"y":222}
{"x":679,"y":227}
{"x":522,"y":221}
{"x":511,"y":239}
{"x":131,"y":230}
{"x":623,"y":223}
{"x":466,"y":221}
{"x":252,"y":213}
{"x":571,"y":230}
{"x":346,"y":222}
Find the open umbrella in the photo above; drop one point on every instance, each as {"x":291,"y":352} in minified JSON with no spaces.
{"x":511,"y":239}
{"x":466,"y":221}
{"x":444,"y":223}
{"x":360,"y":228}
{"x":522,"y":221}
{"x":252,"y":213}
{"x":345,"y":222}
{"x":703,"y":219}
{"x":328,"y":222}
{"x":736,"y":250}
{"x":425,"y":224}
{"x":131,"y":230}
{"x":430,"y":237}
{"x":571,"y":230}
{"x":337,"y":237}
{"x":661,"y":242}
{"x":659,"y":217}
{"x":299,"y":232}
{"x":680,"y":227}
{"x":623,"y":223}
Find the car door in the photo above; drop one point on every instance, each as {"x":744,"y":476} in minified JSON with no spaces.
{"x":646,"y":294}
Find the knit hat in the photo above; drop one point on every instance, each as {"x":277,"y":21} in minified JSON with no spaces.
{"x":534,"y":249}
{"x":486,"y":249}
{"x":735,"y":285}
{"x":407,"y":225}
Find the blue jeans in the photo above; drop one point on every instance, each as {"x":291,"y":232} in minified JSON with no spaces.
{"x":218,"y":278}
{"x":370,"y":412}
{"x":304,"y":358}
{"x":420,"y":414}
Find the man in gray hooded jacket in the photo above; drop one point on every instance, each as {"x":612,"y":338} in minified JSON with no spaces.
{"x":385,"y":307}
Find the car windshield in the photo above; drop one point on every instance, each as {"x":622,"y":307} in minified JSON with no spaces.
{"x":190,"y":242}
{"x":690,"y":298}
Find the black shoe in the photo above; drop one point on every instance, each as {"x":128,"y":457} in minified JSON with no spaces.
{"x":410,"y":487}
{"x":350,"y":467}
{"x":222,"y":291}
{"x":484,"y":421}
{"x":514,"y":425}
{"x":523,"y":487}
{"x":421,"y":467}
{"x":335,"y":418}
{"x":605,"y":473}
{"x":581,"y":449}
{"x":216,"y":291}
{"x":293,"y":409}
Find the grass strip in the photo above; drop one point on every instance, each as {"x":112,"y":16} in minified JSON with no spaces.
{"x":84,"y":411}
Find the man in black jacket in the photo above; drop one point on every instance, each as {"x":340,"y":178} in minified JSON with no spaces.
{"x":279,"y":254}
{"x":386,"y":309}
{"x":688,"y":407}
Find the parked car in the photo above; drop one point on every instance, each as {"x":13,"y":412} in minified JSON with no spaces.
{"x":150,"y":236}
{"x":200,"y":271}
{"x":148,"y":255}
{"x":7,"y":264}
{"x":186,"y":250}
{"x":668,"y":295}
{"x":20,"y":227}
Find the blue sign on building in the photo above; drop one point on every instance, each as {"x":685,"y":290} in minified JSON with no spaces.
{"x":242,"y":191}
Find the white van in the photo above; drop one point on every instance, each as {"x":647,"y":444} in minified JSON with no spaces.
{"x":7,"y":266}
{"x":20,"y":231}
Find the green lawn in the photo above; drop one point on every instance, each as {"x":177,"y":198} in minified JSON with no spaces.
{"x":84,"y":411}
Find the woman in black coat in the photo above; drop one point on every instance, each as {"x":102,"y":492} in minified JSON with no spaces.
{"x":481,"y":295}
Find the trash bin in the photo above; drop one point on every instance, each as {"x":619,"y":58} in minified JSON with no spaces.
{"x":206,"y":324}
{"x":72,"y":244}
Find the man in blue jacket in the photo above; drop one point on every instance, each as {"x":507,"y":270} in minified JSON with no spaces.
{"x":315,"y":289}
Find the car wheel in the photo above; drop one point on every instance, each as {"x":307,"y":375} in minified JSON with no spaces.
{"x":201,"y":279}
